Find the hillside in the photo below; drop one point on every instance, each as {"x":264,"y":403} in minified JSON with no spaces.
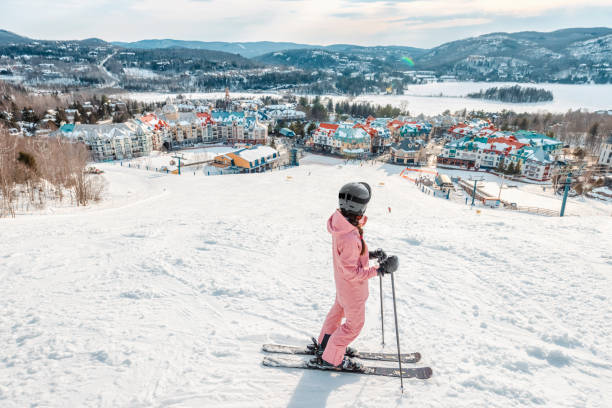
{"x":534,"y":56}
{"x":246,"y":49}
{"x":580,"y":55}
{"x":570,"y":55}
{"x":178,"y":60}
{"x":340,"y":57}
{"x":164,"y":293}
{"x":7,"y":37}
{"x":309,"y":59}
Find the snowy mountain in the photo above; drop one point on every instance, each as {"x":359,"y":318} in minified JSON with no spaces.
{"x":259,"y":48}
{"x":524,"y":56}
{"x":581,"y":55}
{"x":597,"y":50}
{"x":163,"y":294}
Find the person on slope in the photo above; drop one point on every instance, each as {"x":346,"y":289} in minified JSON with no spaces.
{"x":351,"y":274}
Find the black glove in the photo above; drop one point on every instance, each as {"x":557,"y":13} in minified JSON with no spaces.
{"x":378,"y":254}
{"x":389,"y":265}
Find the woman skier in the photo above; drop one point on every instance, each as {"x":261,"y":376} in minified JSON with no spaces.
{"x":351,"y":274}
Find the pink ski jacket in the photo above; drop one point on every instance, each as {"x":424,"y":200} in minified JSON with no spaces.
{"x":351,"y":270}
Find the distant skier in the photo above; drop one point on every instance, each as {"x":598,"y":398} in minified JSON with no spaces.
{"x":351,"y":273}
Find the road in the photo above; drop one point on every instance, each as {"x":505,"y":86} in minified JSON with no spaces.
{"x":111,"y":80}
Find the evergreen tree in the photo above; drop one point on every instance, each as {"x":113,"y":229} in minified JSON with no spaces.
{"x":517,"y":168}
{"x":311,"y":128}
{"x":500,"y":166}
{"x":318,"y":111}
{"x":60,"y":117}
{"x":510,"y":169}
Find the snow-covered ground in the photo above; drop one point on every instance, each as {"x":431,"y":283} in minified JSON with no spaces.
{"x":163,"y":294}
{"x":541,"y":195}
{"x":157,"y":159}
{"x":602,"y":193}
{"x":435,"y":98}
{"x":140,"y":73}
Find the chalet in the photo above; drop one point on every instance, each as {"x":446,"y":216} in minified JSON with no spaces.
{"x":400,"y":129}
{"x":249,"y":160}
{"x":486,"y":153}
{"x":159,"y":129}
{"x":380,"y":137}
{"x":354,"y":142}
{"x":406,"y":152}
{"x":240,"y":127}
{"x":115,"y":141}
{"x":205,"y":126}
{"x":415,"y":129}
{"x":323,"y":137}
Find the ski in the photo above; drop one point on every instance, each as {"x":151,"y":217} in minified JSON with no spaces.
{"x":421,"y":373}
{"x":308,"y":350}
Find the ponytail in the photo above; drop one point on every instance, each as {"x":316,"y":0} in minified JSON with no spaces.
{"x":354,"y":221}
{"x":361,"y":237}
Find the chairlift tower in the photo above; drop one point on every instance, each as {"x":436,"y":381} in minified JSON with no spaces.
{"x":476,"y":180}
{"x":179,"y":158}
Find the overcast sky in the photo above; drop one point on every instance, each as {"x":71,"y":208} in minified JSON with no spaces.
{"x":418,"y":23}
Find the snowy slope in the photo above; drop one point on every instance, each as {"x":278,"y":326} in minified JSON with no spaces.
{"x":164,"y":299}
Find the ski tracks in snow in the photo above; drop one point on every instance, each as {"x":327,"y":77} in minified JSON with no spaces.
{"x":163,"y":297}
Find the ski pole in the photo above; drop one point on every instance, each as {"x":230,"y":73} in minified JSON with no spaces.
{"x":399,"y":356}
{"x":382,"y":320}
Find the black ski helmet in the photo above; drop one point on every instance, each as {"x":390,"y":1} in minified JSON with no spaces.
{"x":354,"y":198}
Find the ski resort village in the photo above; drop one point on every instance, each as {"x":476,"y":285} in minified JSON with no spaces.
{"x":189,"y":260}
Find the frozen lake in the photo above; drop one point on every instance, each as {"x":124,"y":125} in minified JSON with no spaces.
{"x":435,"y":98}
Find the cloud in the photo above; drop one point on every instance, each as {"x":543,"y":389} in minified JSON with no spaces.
{"x":419,"y":23}
{"x":446,"y":23}
{"x":348,"y":15}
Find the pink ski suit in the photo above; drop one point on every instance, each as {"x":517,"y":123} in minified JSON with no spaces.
{"x":351,"y":273}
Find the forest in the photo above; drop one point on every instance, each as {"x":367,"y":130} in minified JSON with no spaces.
{"x":514,"y":94}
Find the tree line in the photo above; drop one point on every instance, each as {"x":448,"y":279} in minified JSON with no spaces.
{"x":514,"y":94}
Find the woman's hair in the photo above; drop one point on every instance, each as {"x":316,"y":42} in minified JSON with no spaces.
{"x":352,"y":218}
{"x":361,"y":237}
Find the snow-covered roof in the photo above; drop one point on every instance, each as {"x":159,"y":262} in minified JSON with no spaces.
{"x":238,"y":117}
{"x":407,"y":145}
{"x":536,"y":154}
{"x":256,"y":153}
{"x":347,"y":133}
{"x":169,"y":109}
{"x":105,"y":131}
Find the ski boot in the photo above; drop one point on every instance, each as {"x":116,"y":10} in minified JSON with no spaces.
{"x":318,"y":349}
{"x":347,"y":364}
